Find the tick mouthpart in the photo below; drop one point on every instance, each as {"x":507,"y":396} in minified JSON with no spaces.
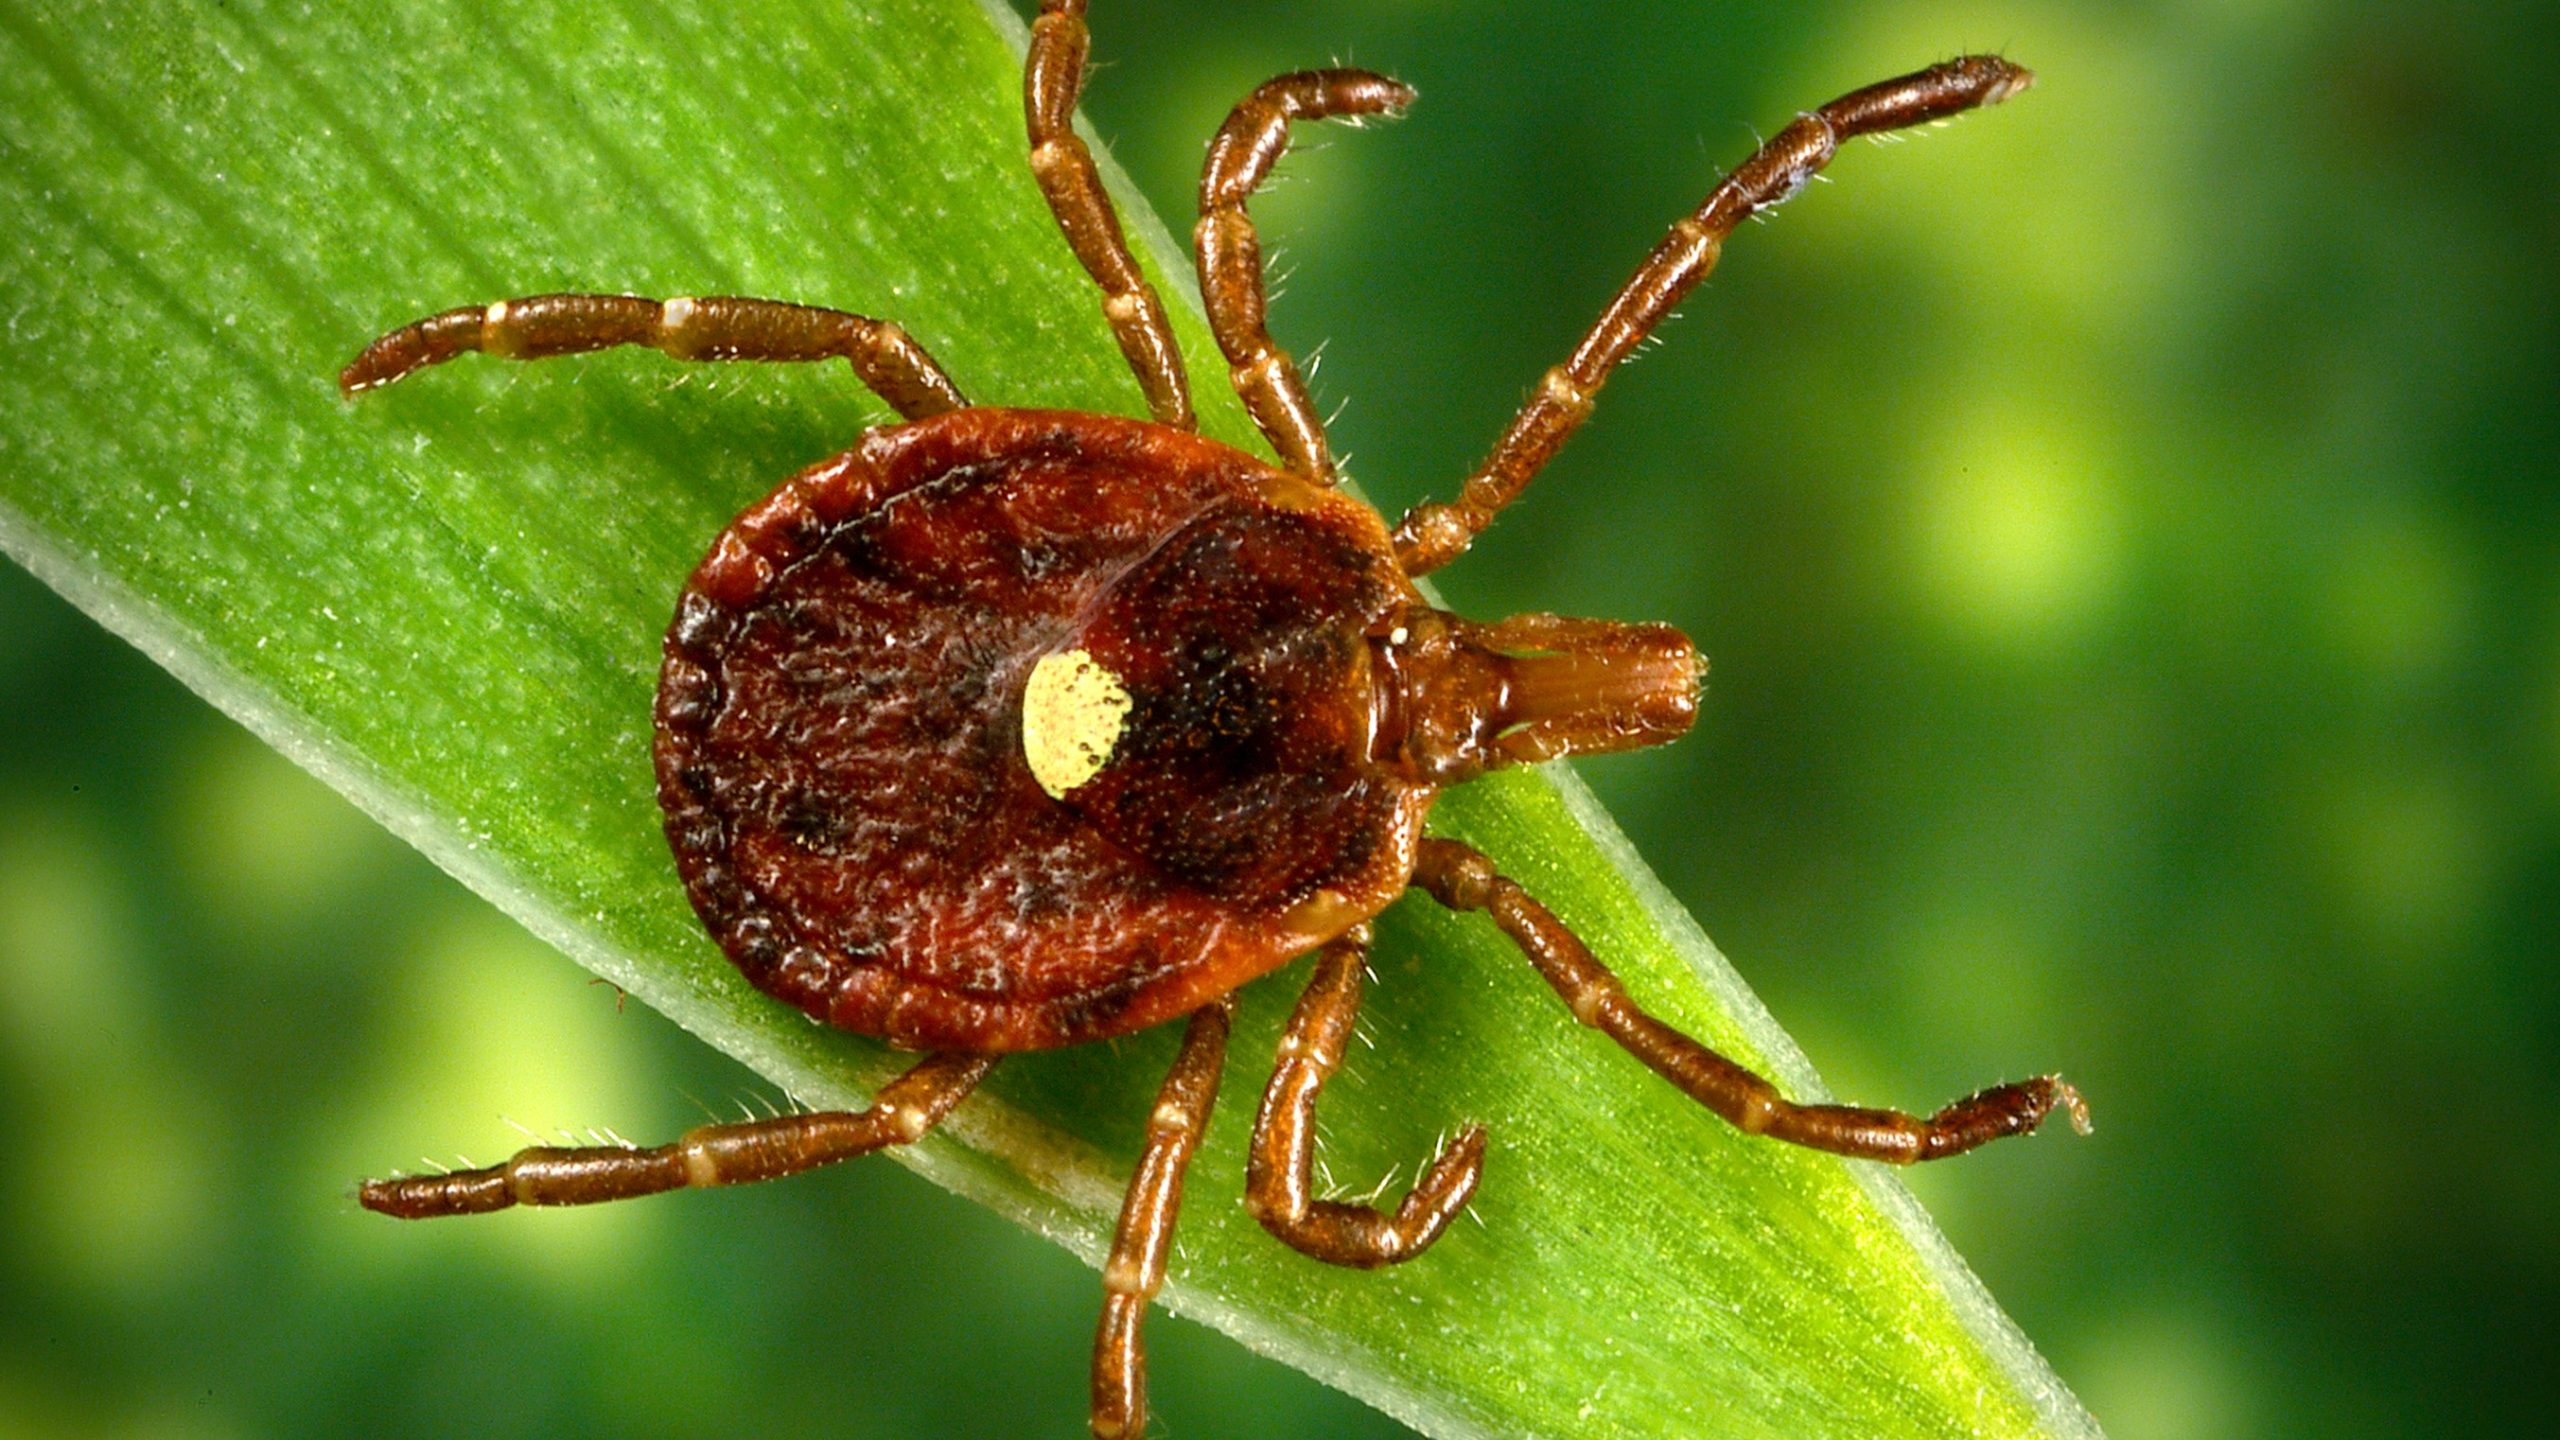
{"x":1652,"y":675}
{"x":1456,"y":699}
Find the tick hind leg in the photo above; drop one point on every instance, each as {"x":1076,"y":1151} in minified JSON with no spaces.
{"x":1230,"y":255}
{"x":1052,"y":78}
{"x":710,"y":327}
{"x":1135,"y":1271}
{"x":903,"y":1111}
{"x":1462,"y":878}
{"x":1279,"y":1175}
{"x":1432,"y":535}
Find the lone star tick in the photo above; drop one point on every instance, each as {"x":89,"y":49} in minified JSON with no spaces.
{"x":1012,"y":729}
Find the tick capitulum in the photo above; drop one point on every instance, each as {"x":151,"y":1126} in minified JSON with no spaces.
{"x":1006,"y":730}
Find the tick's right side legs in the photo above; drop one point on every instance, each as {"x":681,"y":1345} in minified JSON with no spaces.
{"x":1052,"y":78}
{"x":1462,"y":878}
{"x":1280,"y":1172}
{"x":902,"y":1112}
{"x":1139,"y":1247}
{"x":710,"y":327}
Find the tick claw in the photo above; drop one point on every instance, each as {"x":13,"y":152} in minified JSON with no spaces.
{"x":2068,"y":1096}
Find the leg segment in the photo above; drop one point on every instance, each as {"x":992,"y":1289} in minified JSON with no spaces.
{"x":1052,"y":79}
{"x":1135,"y":1271}
{"x":1279,"y":1175}
{"x":1461,"y":878}
{"x":712,"y":327}
{"x":1432,"y":535}
{"x":905,"y":1109}
{"x":1230,"y":255}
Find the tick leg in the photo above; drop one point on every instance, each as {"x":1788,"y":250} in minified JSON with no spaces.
{"x":1432,"y":535}
{"x":710,"y":327}
{"x":1230,"y":256}
{"x":1462,"y":878}
{"x":1279,"y":1175}
{"x":904,"y":1110}
{"x":1052,"y":78}
{"x":1135,"y":1271}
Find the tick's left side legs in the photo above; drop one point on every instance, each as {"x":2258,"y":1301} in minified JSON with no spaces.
{"x":1462,"y":878}
{"x":1230,"y":255}
{"x":1432,"y":535}
{"x":1052,"y":78}
{"x":1279,"y":1176}
{"x":1135,"y":1271}
{"x":706,"y":327}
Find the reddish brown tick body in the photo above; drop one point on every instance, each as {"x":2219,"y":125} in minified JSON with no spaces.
{"x":841,"y":744}
{"x":1010,"y":729}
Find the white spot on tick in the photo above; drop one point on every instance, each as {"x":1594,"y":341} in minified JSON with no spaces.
{"x":1072,"y":714}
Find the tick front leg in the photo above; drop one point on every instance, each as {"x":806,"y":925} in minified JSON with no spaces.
{"x":1052,"y":78}
{"x":905,"y":1109}
{"x":1135,"y":1271}
{"x":1462,"y":878}
{"x":1432,"y":535}
{"x":1279,"y":1176}
{"x":710,"y":327}
{"x":1230,"y":255}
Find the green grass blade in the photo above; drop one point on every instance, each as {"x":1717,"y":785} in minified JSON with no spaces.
{"x":446,"y":602}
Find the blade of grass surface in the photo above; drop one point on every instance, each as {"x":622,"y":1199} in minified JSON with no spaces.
{"x":446,"y":602}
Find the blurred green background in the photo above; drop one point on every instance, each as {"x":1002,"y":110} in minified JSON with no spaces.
{"x":2127,"y":532}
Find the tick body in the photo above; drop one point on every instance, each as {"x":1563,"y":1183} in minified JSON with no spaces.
{"x":1012,"y":729}
{"x":1007,"y":730}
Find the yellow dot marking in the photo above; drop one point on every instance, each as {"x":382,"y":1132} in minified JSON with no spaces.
{"x":1072,"y":714}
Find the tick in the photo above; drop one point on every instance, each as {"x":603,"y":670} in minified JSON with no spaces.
{"x":1012,"y":729}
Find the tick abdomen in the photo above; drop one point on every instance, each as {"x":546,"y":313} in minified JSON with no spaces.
{"x":843,"y":754}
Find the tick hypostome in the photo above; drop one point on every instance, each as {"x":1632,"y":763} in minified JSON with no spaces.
{"x":1010,"y":729}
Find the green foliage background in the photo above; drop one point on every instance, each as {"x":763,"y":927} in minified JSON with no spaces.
{"x":2124,"y":527}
